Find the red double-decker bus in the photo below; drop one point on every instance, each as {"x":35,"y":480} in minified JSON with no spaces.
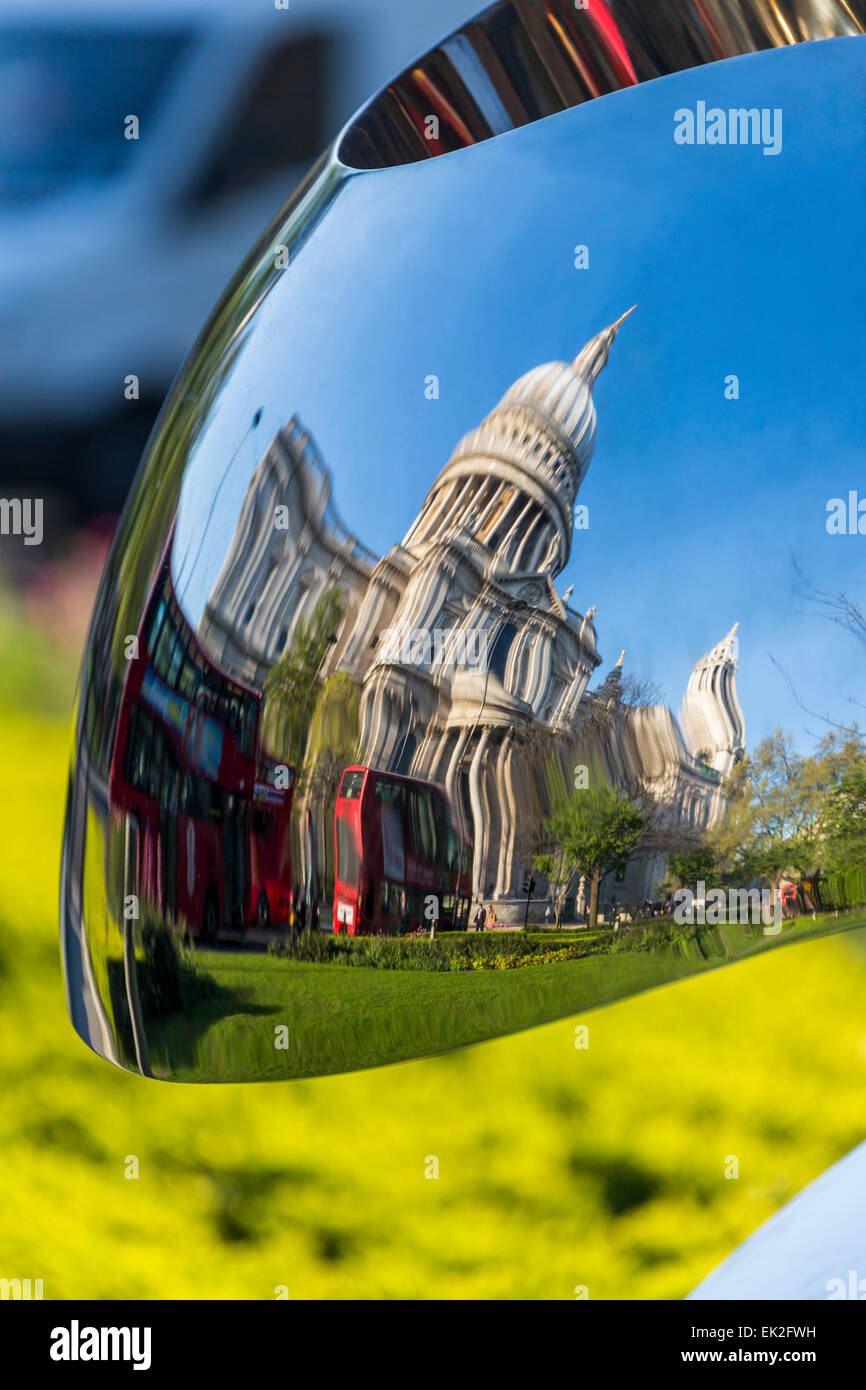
{"x":271,"y":897}
{"x":209,"y":812}
{"x":396,"y":847}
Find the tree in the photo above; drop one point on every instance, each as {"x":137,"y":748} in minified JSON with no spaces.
{"x":560,"y":874}
{"x":773,"y":827}
{"x":692,"y":864}
{"x":332,"y":745}
{"x":845,"y":821}
{"x":591,"y":832}
{"x":608,"y":730}
{"x":834,"y":607}
{"x":292,"y":686}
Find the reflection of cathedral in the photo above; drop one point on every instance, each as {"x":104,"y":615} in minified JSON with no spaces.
{"x":288,"y":548}
{"x":481,"y":557}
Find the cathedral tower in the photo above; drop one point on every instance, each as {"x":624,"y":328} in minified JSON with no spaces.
{"x":511,"y":484}
{"x":711,"y":718}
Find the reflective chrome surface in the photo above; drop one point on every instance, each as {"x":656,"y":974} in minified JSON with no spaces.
{"x":356,"y":639}
{"x":524,"y":59}
{"x":810,"y":1249}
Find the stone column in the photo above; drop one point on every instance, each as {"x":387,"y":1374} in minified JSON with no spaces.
{"x":479,"y":825}
{"x":508,"y":809}
{"x":451,"y":775}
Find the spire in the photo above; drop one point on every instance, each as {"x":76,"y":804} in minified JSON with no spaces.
{"x":610,"y":690}
{"x":592,"y":359}
{"x":711,"y":717}
{"x":722,"y":653}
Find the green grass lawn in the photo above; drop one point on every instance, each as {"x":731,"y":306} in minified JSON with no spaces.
{"x":558,"y":1166}
{"x":342,"y":1018}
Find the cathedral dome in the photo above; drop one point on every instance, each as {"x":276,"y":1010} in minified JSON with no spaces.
{"x":561,"y":392}
{"x":524,"y":462}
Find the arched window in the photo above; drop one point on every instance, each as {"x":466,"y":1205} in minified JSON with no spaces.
{"x":407,"y":753}
{"x":501,"y":647}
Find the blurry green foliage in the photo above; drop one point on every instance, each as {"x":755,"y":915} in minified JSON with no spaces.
{"x":558,"y":1166}
{"x":36,"y":673}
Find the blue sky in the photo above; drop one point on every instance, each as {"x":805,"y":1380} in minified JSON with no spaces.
{"x":739,"y":263}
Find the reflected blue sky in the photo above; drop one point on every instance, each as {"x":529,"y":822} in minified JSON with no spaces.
{"x":463,"y":267}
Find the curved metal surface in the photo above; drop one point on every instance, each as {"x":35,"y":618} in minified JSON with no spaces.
{"x":813,"y":1248}
{"x":522,"y":60}
{"x":356,"y":635}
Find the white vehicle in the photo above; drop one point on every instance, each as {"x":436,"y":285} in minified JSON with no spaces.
{"x":114,"y":249}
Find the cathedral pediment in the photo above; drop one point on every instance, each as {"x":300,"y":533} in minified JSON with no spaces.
{"x":535,"y":590}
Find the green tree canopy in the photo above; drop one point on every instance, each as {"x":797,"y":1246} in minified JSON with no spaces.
{"x":292,"y":686}
{"x":845,"y":821}
{"x":692,"y":864}
{"x":591,"y":831}
{"x":774,"y":824}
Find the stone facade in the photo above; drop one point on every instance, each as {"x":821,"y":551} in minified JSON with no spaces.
{"x":475,"y":575}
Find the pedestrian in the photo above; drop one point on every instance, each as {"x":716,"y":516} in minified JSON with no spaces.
{"x":479,"y":918}
{"x":405,"y":924}
{"x":547,"y":915}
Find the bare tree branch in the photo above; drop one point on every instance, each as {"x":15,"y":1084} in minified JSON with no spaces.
{"x":832,"y":607}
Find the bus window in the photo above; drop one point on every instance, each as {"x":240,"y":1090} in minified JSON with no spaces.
{"x":161,"y":650}
{"x":350,"y":787}
{"x":348,"y":858}
{"x":422,"y":824}
{"x":428,"y":804}
{"x":383,"y":790}
{"x":249,"y":720}
{"x":457,"y":856}
{"x":391,"y":793}
{"x":233,"y":714}
{"x":174,"y":665}
{"x":188,"y":679}
{"x":156,"y":626}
